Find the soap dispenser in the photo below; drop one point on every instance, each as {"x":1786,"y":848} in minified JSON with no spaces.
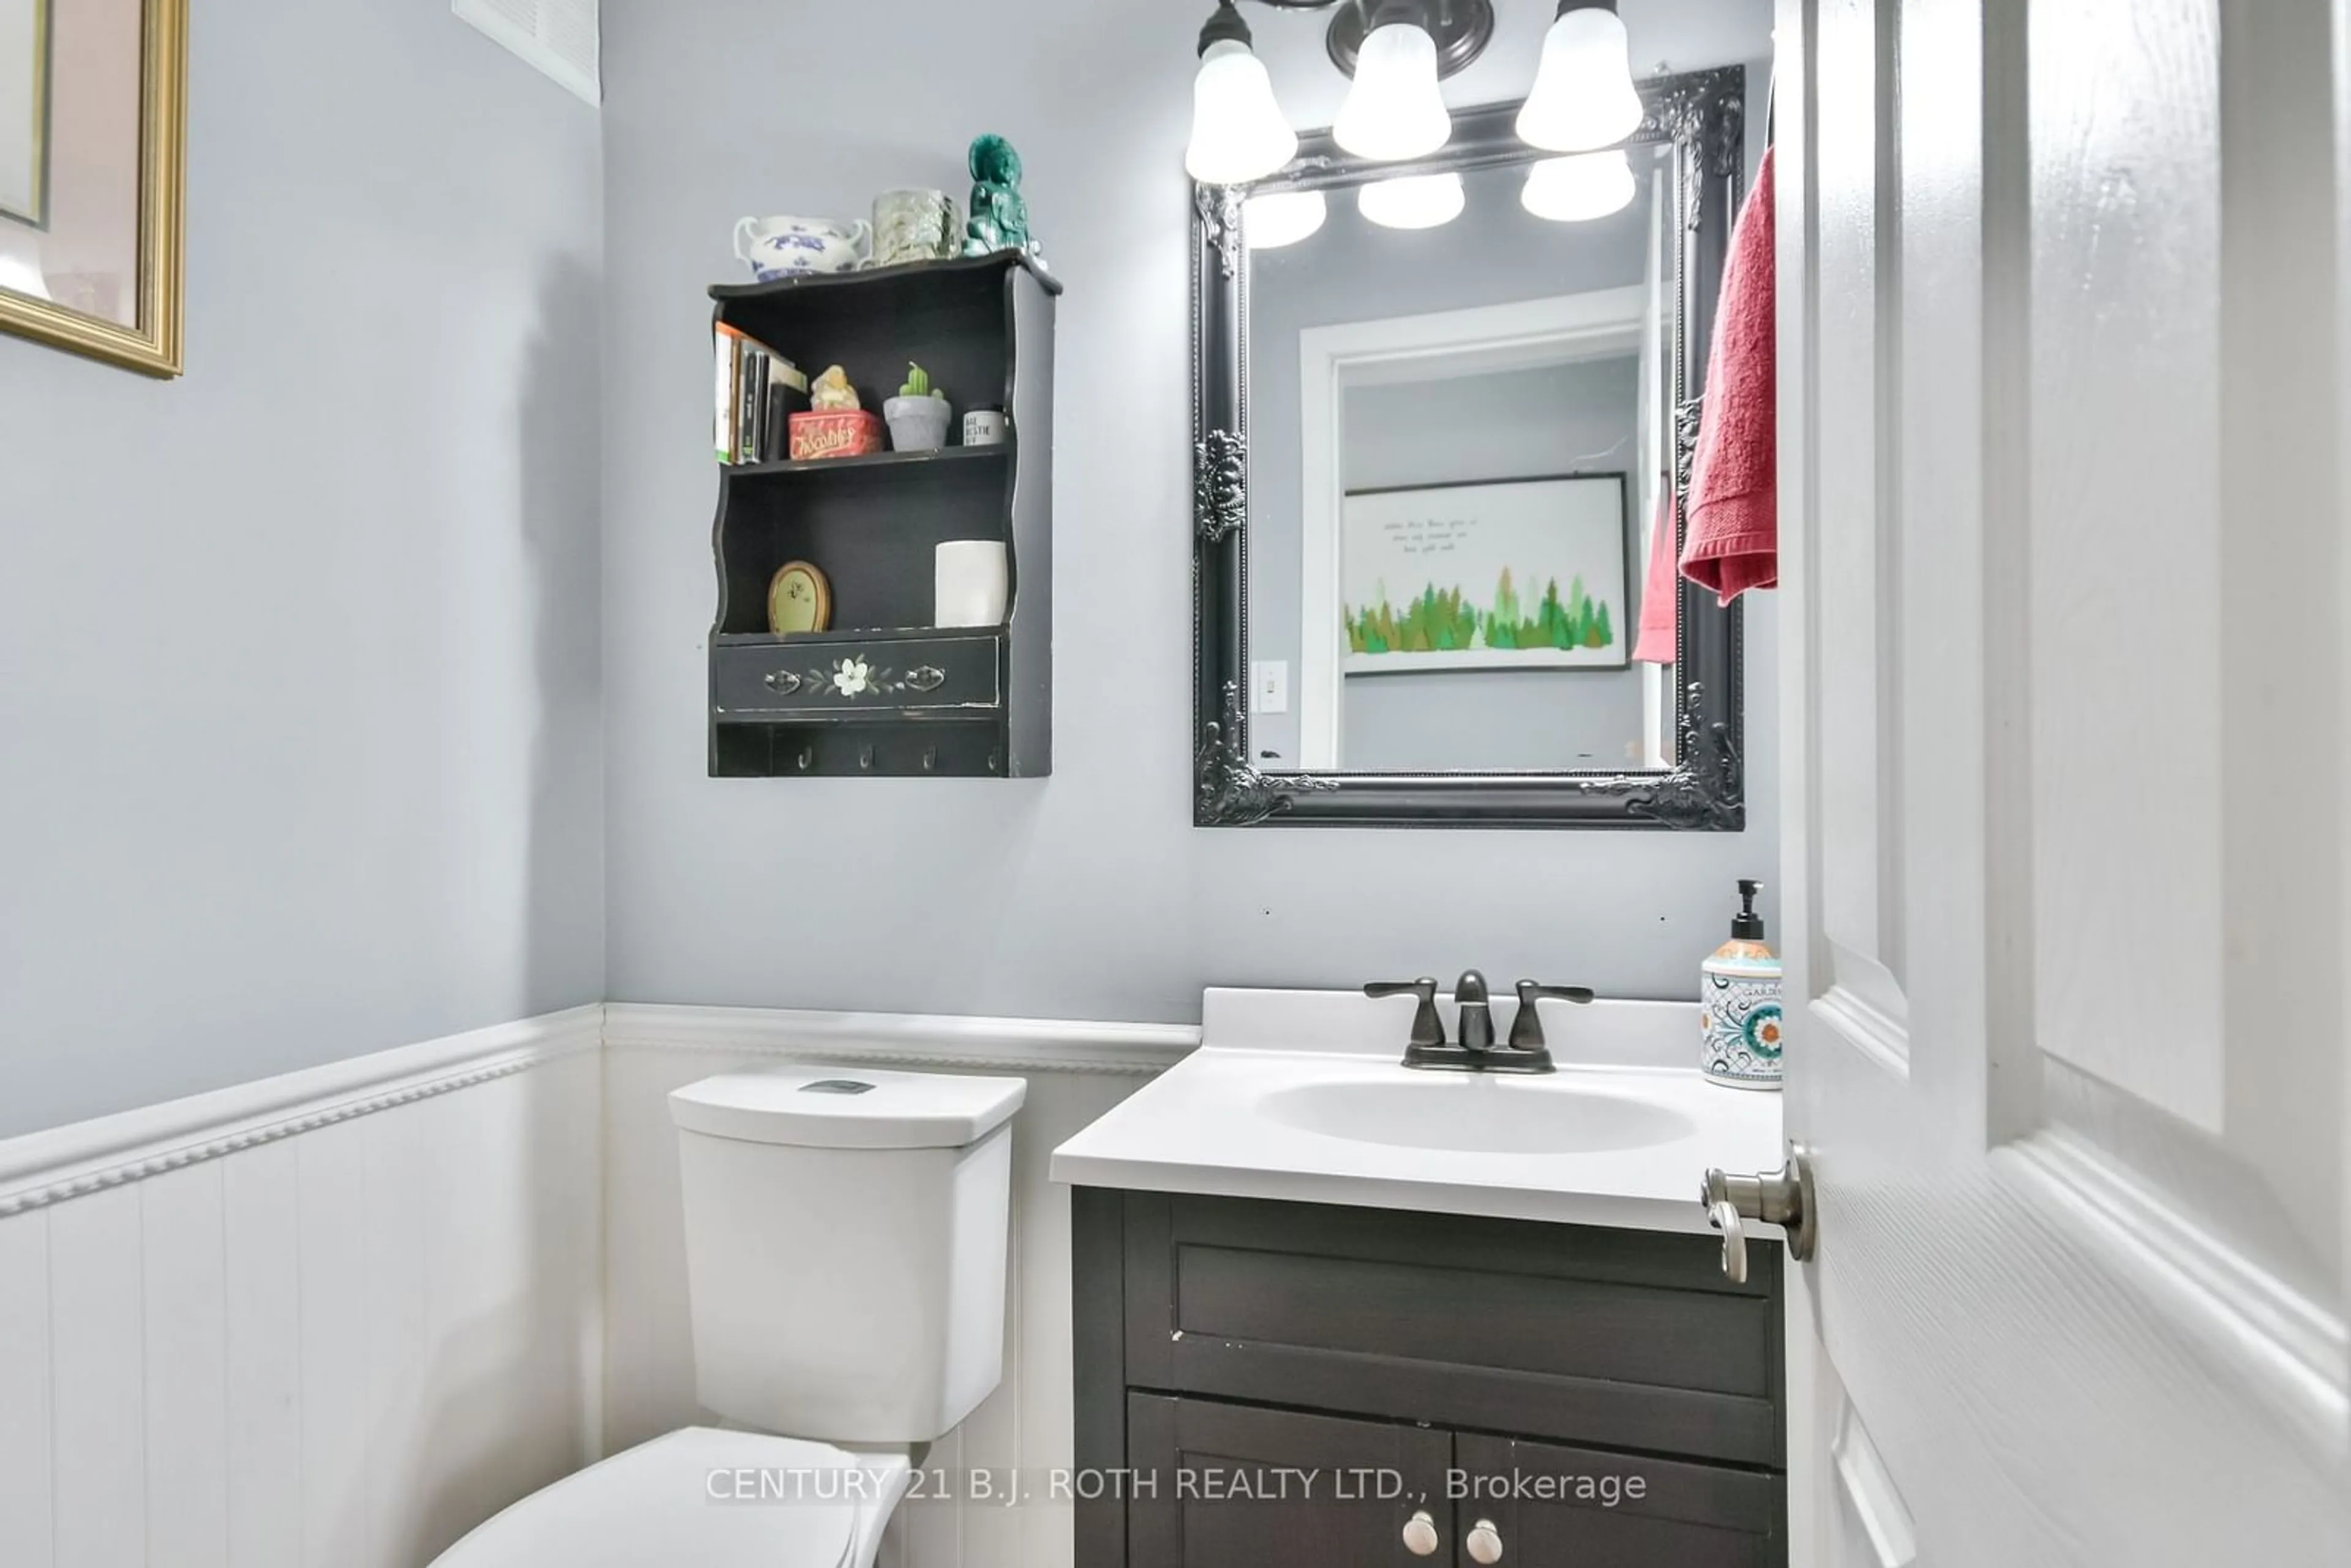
{"x":1739,"y":1004}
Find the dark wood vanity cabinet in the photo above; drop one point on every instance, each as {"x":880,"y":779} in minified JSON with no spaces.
{"x":1271,"y":1488}
{"x":1283,"y":1383}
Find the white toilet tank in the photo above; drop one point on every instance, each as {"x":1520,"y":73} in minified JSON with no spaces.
{"x":845,"y":1240}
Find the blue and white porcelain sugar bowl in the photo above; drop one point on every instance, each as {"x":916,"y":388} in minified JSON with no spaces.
{"x":793,"y":247}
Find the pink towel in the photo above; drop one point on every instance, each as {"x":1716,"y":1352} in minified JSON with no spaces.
{"x":1661,"y":605}
{"x":1734,"y":506}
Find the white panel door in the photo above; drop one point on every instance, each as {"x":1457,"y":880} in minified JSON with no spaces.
{"x":2062,"y":295}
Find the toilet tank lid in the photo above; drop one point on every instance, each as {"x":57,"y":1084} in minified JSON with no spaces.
{"x":848,"y":1107}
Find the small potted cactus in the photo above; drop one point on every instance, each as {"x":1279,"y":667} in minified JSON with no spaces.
{"x":918,"y":414}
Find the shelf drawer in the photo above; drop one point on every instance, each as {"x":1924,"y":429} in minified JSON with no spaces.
{"x":844,"y":678}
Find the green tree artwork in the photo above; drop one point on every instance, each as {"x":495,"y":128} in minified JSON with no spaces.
{"x":1444,"y":621}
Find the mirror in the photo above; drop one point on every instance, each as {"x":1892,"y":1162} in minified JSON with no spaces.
{"x":1457,"y":438}
{"x":1442,"y":408}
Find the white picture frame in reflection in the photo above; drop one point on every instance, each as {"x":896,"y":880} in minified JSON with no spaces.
{"x":1501,"y":575}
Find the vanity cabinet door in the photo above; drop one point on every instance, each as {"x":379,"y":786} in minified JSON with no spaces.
{"x":1231,"y":1486}
{"x":1546,"y":1504}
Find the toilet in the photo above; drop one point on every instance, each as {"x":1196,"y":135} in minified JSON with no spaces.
{"x":845,"y":1242}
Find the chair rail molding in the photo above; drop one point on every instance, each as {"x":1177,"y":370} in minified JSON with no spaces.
{"x":37,"y":1169}
{"x":910,"y":1039}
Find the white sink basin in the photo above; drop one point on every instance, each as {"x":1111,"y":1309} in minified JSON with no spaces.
{"x":1302,"y":1096}
{"x":1476,"y":1115}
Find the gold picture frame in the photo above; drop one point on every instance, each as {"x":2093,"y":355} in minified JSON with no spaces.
{"x":152,"y":347}
{"x":35,"y":194}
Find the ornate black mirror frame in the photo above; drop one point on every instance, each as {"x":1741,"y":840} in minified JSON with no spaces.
{"x":1702,"y":114}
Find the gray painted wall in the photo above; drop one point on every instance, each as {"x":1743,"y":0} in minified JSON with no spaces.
{"x":298,"y":654}
{"x":1516,"y":424}
{"x":1088,"y":893}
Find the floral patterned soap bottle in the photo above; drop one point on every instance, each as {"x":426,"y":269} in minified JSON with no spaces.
{"x":1739,"y":1004}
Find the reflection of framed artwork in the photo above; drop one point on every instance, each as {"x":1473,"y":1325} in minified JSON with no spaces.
{"x":1521,"y":574}
{"x":92,"y":105}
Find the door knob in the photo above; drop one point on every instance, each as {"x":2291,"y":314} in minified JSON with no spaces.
{"x":1484,"y":1541}
{"x":1420,"y":1534}
{"x":1783,"y":1197}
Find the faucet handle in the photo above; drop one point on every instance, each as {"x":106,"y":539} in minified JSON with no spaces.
{"x":1526,"y":1030}
{"x":1428,"y":1026}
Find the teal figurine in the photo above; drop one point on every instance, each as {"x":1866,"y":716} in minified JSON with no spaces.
{"x":1000,"y":214}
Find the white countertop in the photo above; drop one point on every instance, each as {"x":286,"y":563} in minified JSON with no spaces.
{"x":1621,"y":1134}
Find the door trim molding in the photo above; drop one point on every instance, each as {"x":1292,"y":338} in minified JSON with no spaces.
{"x":39,"y":1169}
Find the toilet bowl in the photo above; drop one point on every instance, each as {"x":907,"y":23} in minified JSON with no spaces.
{"x":845,"y":1239}
{"x":704,"y":1497}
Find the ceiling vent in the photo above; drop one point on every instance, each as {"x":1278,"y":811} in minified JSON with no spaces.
{"x":559,"y":37}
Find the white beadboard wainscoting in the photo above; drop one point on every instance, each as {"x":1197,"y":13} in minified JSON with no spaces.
{"x":1075,"y":1072}
{"x":337,"y":1317}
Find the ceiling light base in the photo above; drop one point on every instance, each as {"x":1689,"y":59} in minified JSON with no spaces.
{"x":1460,"y":28}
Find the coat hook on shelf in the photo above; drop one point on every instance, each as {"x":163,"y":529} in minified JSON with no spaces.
{"x":865,"y":758}
{"x":930,"y":758}
{"x":808,"y":756}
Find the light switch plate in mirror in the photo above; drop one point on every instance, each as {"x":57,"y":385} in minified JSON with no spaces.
{"x":1697,"y":123}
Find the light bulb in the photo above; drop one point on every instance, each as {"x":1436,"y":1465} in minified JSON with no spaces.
{"x":1583,"y":96}
{"x":1412,"y":202}
{"x":1238,"y":131}
{"x":1282,"y":217}
{"x":1578,"y":188}
{"x":1394,"y":111}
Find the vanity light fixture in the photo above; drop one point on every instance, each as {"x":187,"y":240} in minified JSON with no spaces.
{"x":1239,"y":133}
{"x":1282,"y":217}
{"x":1584,"y":99}
{"x":1413,"y":201}
{"x":1581,"y":187}
{"x":1393,"y":112}
{"x":1583,"y":96}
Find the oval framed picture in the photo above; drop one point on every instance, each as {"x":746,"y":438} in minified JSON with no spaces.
{"x":798,"y":600}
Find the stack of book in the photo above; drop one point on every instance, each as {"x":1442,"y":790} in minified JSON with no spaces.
{"x":758,"y":391}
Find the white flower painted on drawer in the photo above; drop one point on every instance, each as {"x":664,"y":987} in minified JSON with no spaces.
{"x":852,"y":676}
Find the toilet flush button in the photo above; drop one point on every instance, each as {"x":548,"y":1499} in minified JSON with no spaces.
{"x":835,"y":1086}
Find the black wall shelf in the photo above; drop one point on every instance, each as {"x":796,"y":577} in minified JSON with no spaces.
{"x":741,"y":472}
{"x":884,"y":692}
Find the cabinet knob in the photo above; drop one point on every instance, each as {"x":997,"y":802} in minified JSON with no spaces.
{"x":782,"y":681}
{"x":1485,"y":1542}
{"x":926,"y":677}
{"x":1420,"y":1535}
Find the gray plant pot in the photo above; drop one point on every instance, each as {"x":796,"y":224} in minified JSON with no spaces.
{"x":917,"y":423}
